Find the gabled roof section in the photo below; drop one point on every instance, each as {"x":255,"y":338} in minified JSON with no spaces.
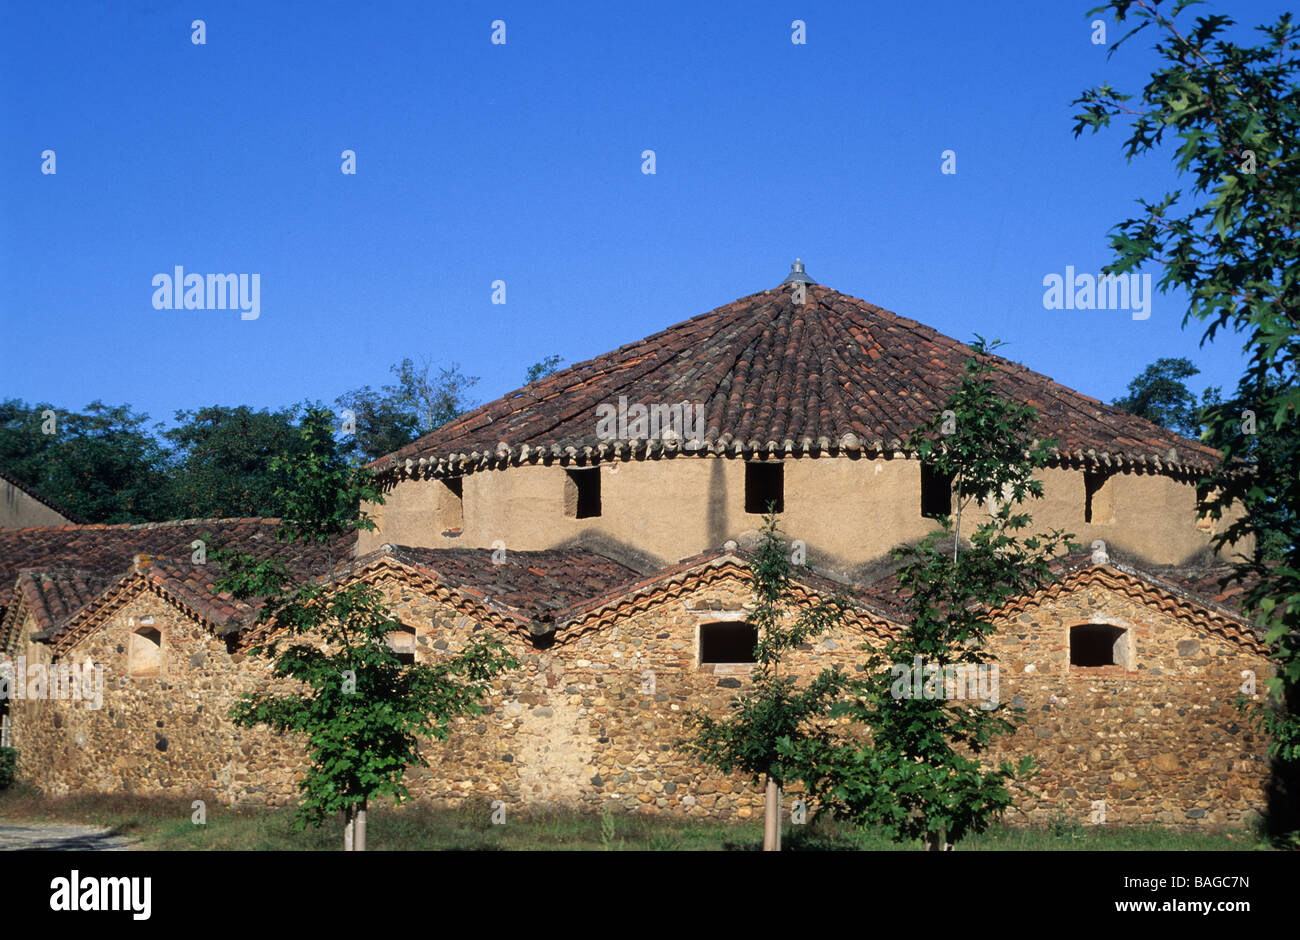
{"x":185,"y":586}
{"x":49,"y":597}
{"x":111,"y":549}
{"x":1154,"y":593}
{"x":832,"y":375}
{"x":62,"y":572}
{"x":1192,"y":593}
{"x":700,"y":571}
{"x":537,"y":583}
{"x":521,"y":592}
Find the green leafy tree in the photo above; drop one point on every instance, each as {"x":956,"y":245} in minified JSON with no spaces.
{"x":1160,"y":395}
{"x":913,"y":764}
{"x":103,"y":464}
{"x":25,"y":452}
{"x":1269,"y":457}
{"x":774,"y":709}
{"x":360,"y":709}
{"x":540,"y":370}
{"x":383,"y":424}
{"x":420,"y":401}
{"x":1232,"y":245}
{"x":221,"y":460}
{"x":435,"y":400}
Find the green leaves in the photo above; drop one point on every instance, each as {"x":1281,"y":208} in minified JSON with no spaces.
{"x":222,"y":461}
{"x":912,"y":763}
{"x":101,"y":464}
{"x":360,"y":710}
{"x":1234,"y":248}
{"x":1160,"y":396}
{"x":771,"y":720}
{"x":416,"y":404}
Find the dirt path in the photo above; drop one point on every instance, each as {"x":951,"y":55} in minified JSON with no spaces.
{"x":59,"y":837}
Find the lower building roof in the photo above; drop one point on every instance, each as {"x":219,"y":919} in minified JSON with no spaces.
{"x":61,"y":576}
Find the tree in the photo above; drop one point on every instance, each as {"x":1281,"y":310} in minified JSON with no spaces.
{"x":360,"y":709}
{"x":773,"y":710}
{"x":1160,"y":396}
{"x":25,"y":452}
{"x":1232,"y":245}
{"x":914,"y":763}
{"x":416,"y":404}
{"x":102,"y":464}
{"x":434,"y":401}
{"x":540,"y":370}
{"x":1234,"y":424}
{"x":222,"y":461}
{"x":383,"y":425}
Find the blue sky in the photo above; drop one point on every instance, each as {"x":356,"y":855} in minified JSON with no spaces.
{"x":522,"y":162}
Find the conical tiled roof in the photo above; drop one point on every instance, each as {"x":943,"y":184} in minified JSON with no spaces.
{"x":775,"y":376}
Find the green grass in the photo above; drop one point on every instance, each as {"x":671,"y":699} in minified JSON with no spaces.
{"x":161,"y":823}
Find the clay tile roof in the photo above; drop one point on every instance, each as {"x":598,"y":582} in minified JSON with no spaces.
{"x":52,"y":596}
{"x":62,"y":569}
{"x":112,"y":548}
{"x":1204,"y":583}
{"x":535,"y":584}
{"x":192,"y":586}
{"x":1197,"y":581}
{"x":722,"y":561}
{"x":834,"y":374}
{"x":1198,"y":584}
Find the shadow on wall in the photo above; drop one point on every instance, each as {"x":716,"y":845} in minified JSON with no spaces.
{"x":1282,"y":814}
{"x":624,"y":553}
{"x":717,"y":523}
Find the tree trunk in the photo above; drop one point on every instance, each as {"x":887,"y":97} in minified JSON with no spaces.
{"x":359,"y":840}
{"x":937,"y":841}
{"x":779,"y":798}
{"x":956,"y":532}
{"x":772,"y":818}
{"x":347,"y":830}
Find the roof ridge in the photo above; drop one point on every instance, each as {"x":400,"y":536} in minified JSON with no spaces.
{"x":144,"y":526}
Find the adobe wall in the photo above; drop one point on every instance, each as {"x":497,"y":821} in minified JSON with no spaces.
{"x":593,"y":720}
{"x":849,"y":511}
{"x":19,"y":510}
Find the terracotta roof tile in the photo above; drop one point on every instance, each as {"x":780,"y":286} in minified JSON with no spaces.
{"x":59,"y":570}
{"x":111,"y":549}
{"x":835,"y":373}
{"x":53,"y":595}
{"x":1197,"y":584}
{"x":534,"y":583}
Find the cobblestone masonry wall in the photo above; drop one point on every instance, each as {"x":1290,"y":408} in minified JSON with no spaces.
{"x":593,"y":720}
{"x":163,"y":733}
{"x":1159,"y":742}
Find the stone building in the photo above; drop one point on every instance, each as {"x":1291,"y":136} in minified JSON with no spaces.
{"x":805,"y":402}
{"x":610,"y":554}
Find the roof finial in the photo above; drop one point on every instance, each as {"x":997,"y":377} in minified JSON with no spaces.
{"x":797,"y":274}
